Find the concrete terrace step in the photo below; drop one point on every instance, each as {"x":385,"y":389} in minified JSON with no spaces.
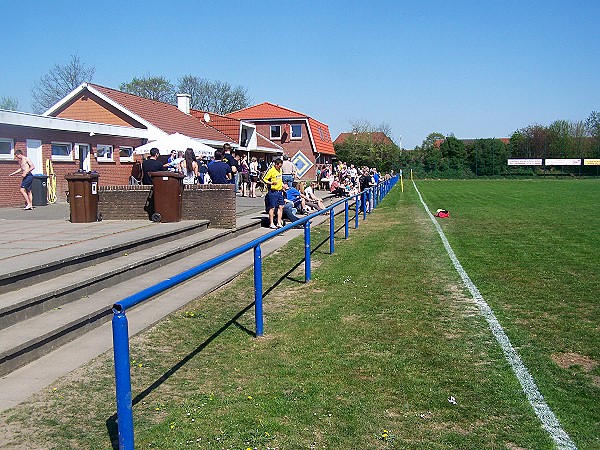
{"x":39,"y":318}
{"x":36,"y":266}
{"x":46,"y":295}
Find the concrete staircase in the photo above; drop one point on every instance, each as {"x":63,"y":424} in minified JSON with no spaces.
{"x":69,"y":291}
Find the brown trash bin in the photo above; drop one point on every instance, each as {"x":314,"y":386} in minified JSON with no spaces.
{"x":83,"y":196}
{"x":167,"y":190}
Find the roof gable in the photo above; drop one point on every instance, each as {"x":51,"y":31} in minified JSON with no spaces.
{"x":152,"y":114}
{"x":165,"y":116}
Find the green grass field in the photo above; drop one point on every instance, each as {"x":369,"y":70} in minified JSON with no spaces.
{"x":369,"y":352}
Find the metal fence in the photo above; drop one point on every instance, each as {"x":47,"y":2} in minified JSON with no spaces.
{"x":364,"y":201}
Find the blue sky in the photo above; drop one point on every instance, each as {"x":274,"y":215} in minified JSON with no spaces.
{"x":475,"y":69}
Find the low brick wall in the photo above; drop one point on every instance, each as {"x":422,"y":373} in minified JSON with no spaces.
{"x":213,"y":202}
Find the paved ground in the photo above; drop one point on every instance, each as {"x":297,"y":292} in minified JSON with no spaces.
{"x":44,"y":227}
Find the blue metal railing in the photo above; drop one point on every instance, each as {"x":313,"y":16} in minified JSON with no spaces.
{"x":120,"y":325}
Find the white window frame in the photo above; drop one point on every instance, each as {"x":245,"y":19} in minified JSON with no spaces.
{"x":105,"y":158}
{"x":292,"y":137}
{"x":62,"y":157}
{"x":274,"y":137}
{"x":11,"y":155}
{"x":126,"y":158}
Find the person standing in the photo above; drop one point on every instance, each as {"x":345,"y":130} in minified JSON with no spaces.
{"x":253,"y":176}
{"x":230,"y":159}
{"x":288,"y":171}
{"x":152,"y":164}
{"x":218,"y":170}
{"x":274,"y":199}
{"x":26,"y":168}
{"x":189,"y":167}
{"x":244,"y":171}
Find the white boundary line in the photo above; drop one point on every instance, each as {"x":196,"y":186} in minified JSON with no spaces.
{"x":549,"y":421}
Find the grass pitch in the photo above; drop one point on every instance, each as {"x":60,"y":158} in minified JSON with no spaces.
{"x":382,"y":349}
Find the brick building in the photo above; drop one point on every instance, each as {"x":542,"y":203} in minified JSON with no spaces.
{"x":305,"y":140}
{"x":95,"y":128}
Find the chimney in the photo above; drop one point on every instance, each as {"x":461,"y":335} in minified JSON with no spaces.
{"x":183,"y":103}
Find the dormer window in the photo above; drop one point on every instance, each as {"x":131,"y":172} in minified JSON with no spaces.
{"x":296,"y":132}
{"x":275,"y":132}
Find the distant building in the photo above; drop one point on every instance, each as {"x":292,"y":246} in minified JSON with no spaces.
{"x":376,"y":137}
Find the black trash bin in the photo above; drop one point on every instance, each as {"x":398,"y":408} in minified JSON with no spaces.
{"x":39,"y":190}
{"x":167,"y":190}
{"x":83,"y":197}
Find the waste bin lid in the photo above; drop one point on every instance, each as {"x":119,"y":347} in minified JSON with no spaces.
{"x":166,"y":173}
{"x":81,"y":176}
{"x":39,"y":175}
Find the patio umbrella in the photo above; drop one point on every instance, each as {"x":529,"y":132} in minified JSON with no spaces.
{"x":176,"y":141}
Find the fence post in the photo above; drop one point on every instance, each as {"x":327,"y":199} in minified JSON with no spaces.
{"x":331,"y":230}
{"x":364,"y":204}
{"x":258,"y":291}
{"x":356,"y":202}
{"x":123,"y":380}
{"x":346,"y":218}
{"x":307,"y":251}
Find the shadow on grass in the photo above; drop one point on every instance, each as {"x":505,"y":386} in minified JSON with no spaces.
{"x":111,"y":422}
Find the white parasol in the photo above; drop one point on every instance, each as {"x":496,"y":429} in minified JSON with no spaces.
{"x":176,"y":141}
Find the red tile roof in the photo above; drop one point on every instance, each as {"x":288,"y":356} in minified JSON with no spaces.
{"x":231,"y":127}
{"x":376,"y":137}
{"x":268,"y":111}
{"x":226,"y":125}
{"x":165,"y":116}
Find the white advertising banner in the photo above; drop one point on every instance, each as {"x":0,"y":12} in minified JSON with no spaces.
{"x":562,"y":162}
{"x":524,"y":162}
{"x":591,"y":162}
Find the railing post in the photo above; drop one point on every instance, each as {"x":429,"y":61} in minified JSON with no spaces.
{"x":307,"y":251}
{"x":364,"y":204}
{"x":346,"y":218}
{"x":258,"y":291}
{"x":356,"y":202}
{"x":123,"y":380}
{"x":331,"y":230}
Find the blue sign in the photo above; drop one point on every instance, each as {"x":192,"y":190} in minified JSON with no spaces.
{"x":302,"y":163}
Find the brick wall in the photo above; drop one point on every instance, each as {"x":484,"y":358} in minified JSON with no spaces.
{"x":213,"y":202}
{"x":111,"y":173}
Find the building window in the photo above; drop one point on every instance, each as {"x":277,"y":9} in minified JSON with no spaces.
{"x":7,"y":148}
{"x":126,"y":154}
{"x":275,"y":132}
{"x":61,"y":151}
{"x":104,"y":153}
{"x":297,"y":131}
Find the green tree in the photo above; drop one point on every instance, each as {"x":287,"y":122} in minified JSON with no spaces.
{"x":431,"y":139}
{"x":592,"y":124}
{"x":9,"y":103}
{"x":58,"y":82}
{"x":489,"y":157}
{"x":559,"y":139}
{"x":155,"y":88}
{"x":454,"y":152}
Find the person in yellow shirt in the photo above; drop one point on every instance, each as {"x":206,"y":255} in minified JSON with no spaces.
{"x":274,"y":198}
